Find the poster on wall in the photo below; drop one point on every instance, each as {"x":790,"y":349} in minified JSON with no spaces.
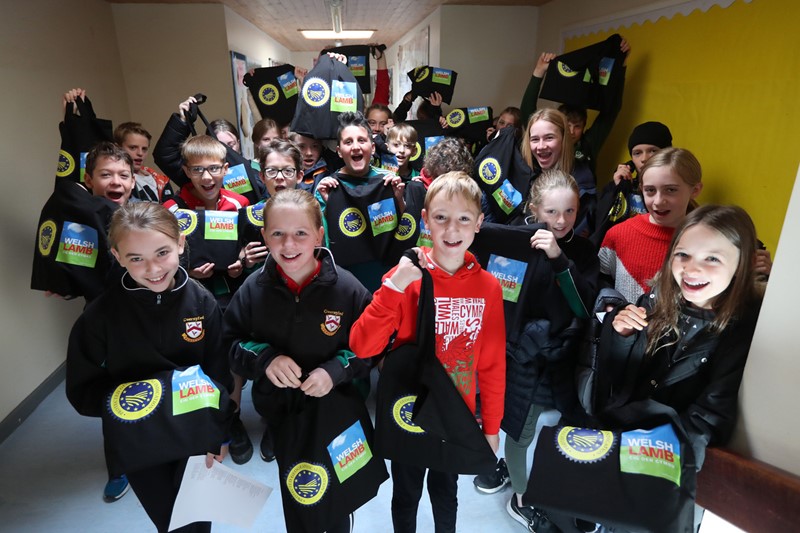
{"x":410,"y":55}
{"x":246,"y":112}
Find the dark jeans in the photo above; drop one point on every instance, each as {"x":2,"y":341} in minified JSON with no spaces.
{"x":442,"y":490}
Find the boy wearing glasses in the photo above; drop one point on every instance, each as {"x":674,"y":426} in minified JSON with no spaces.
{"x":281,"y":166}
{"x":204,"y":163}
{"x":402,"y":142}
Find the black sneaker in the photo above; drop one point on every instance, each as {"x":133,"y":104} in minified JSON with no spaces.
{"x":267,"y":447}
{"x":534,"y":520}
{"x":494,"y":482}
{"x":241,"y":449}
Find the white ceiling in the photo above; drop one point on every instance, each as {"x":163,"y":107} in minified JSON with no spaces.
{"x":281,"y":19}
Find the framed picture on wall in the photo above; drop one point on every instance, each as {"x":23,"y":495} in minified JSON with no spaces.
{"x":246,"y":113}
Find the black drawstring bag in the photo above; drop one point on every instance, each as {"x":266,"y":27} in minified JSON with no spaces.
{"x":504,"y":176}
{"x":646,"y":480}
{"x":79,"y":134}
{"x":420,"y":417}
{"x":361,"y":222}
{"x":469,"y":123}
{"x":324,"y":447}
{"x":328,"y":90}
{"x":426,"y":80}
{"x":588,"y":77}
{"x":274,"y":91}
{"x":211,"y":237}
{"x":429,"y":133}
{"x":71,"y":256}
{"x":171,"y":415}
{"x":408,"y":228}
{"x":251,"y":222}
{"x":358,"y":63}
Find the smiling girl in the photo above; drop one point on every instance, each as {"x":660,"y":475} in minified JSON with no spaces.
{"x":139,"y":327}
{"x":288,"y":326}
{"x":632,"y":252}
{"x":695,"y":328}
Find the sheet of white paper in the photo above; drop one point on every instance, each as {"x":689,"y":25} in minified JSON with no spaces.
{"x":217,"y":494}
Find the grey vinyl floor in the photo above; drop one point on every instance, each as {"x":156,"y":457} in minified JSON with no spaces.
{"x":52,"y":475}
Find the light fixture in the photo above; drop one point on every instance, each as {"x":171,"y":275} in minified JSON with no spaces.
{"x":344,"y":34}
{"x":337,"y":32}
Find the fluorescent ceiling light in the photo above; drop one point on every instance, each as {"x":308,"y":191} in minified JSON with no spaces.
{"x":344,"y":34}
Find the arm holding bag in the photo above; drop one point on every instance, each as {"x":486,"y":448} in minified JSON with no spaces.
{"x":420,"y":417}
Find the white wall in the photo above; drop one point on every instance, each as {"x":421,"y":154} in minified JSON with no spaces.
{"x":46,"y":48}
{"x":767,"y":428}
{"x":492,"y":49}
{"x":433,"y":21}
{"x":245,"y":38}
{"x":170,"y":52}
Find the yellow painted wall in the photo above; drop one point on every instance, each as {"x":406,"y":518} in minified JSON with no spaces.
{"x":726,"y":82}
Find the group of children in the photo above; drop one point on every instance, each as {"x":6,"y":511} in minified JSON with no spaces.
{"x":282,"y":313}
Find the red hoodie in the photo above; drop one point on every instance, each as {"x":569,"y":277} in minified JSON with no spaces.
{"x":470,"y":331}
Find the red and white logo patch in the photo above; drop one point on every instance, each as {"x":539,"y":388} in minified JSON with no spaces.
{"x":194,"y":329}
{"x":332,"y":324}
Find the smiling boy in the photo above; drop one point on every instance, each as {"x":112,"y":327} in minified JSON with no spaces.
{"x":466,"y":343}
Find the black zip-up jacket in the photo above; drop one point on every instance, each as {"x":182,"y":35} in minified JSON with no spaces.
{"x":130,"y":333}
{"x":265,"y":319}
{"x":701,"y":381}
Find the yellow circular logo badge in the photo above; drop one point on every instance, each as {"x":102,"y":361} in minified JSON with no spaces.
{"x":401,"y":412}
{"x":619,"y":208}
{"x":351,"y":222}
{"x":489,"y":170}
{"x":316,"y":92}
{"x":136,"y":400}
{"x":405,"y":228}
{"x":66,"y":164}
{"x":307,"y":483}
{"x":268,"y":94}
{"x":47,"y":236}
{"x":187,"y":221}
{"x":565,"y":71}
{"x":456,"y":118}
{"x":255,"y":214}
{"x":417,"y":152}
{"x":584,"y":445}
{"x":421,"y":73}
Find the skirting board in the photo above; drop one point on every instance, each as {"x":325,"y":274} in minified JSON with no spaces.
{"x":16,"y":417}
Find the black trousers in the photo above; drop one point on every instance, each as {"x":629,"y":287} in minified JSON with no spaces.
{"x":157,"y":487}
{"x":442,"y":490}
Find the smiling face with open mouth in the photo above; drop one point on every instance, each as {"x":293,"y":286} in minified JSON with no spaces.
{"x":667,"y":195}
{"x":453,"y":222}
{"x":546,"y":143}
{"x":150,"y":257}
{"x":111,"y":178}
{"x":291,"y":237}
{"x":703,"y":265}
{"x":207,"y":175}
{"x":355,"y":148}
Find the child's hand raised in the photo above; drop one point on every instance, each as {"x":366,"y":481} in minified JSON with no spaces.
{"x":435,"y":99}
{"x":71,"y":96}
{"x":397,"y":184}
{"x":545,"y":240}
{"x":283,"y":372}
{"x":183,"y":107}
{"x":542,"y":63}
{"x":317,"y":384}
{"x":407,"y":272}
{"x":623,"y":173}
{"x":630,"y":320}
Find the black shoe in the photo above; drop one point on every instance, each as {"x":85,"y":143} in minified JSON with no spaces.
{"x":494,"y":482}
{"x":267,"y":447}
{"x":241,"y":449}
{"x":534,"y":520}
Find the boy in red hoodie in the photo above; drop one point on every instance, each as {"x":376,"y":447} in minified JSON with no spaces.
{"x":470,"y":332}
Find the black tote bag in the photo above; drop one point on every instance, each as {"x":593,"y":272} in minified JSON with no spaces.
{"x":171,"y":415}
{"x":420,"y":417}
{"x":324,"y":448}
{"x":641,"y":480}
{"x":79,"y":134}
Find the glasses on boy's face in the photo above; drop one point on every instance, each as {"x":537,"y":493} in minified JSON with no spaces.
{"x":214,"y":170}
{"x":287,"y":173}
